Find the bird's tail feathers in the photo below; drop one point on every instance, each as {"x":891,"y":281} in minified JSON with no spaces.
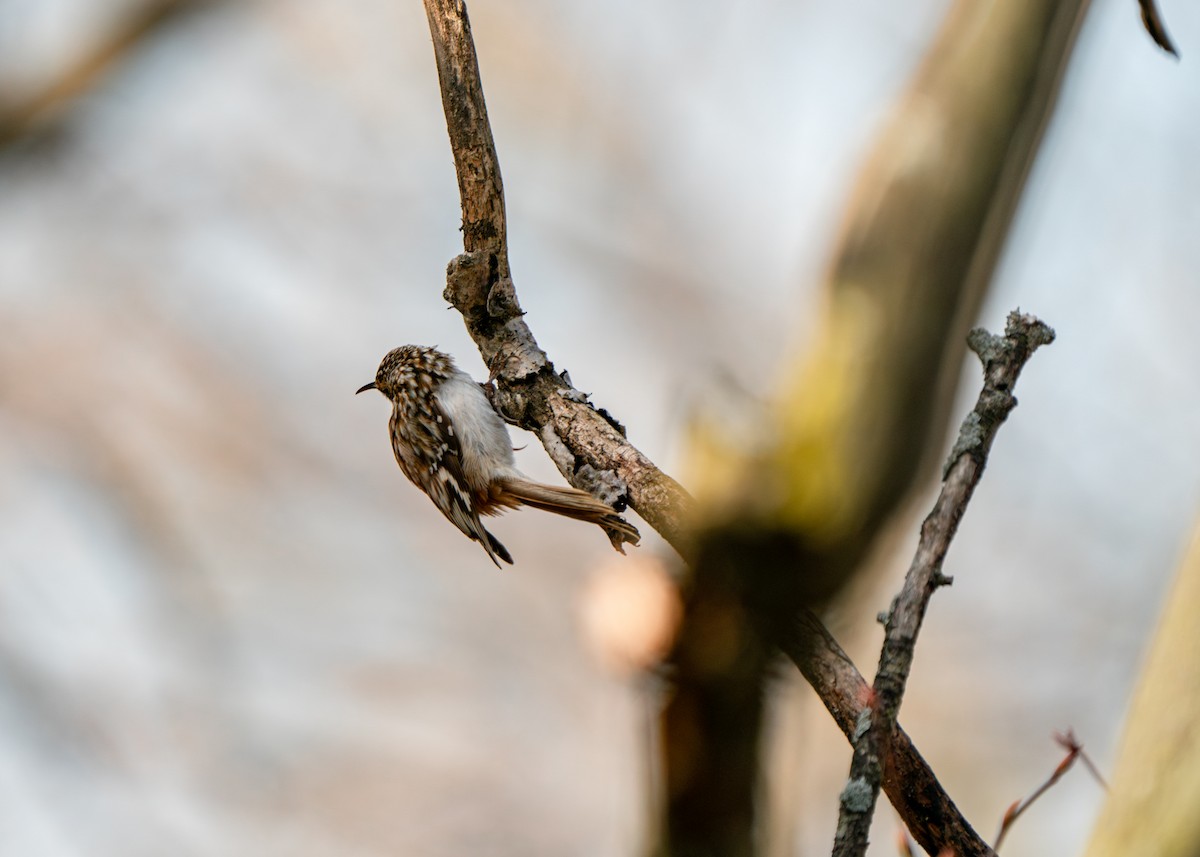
{"x":571,"y":503}
{"x":494,"y":548}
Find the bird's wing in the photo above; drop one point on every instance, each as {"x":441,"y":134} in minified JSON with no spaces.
{"x":441,"y":475}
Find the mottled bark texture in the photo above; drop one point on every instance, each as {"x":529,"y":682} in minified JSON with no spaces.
{"x":587,"y":445}
{"x":1003,"y":358}
{"x":923,"y":805}
{"x":784,"y":529}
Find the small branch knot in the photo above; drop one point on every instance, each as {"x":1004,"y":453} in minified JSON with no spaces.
{"x":502,"y":300}
{"x":468,"y":281}
{"x":988,"y":346}
{"x":1003,"y":357}
{"x":1033,"y":331}
{"x":994,"y":404}
{"x":858,"y":796}
{"x":1023,"y":334}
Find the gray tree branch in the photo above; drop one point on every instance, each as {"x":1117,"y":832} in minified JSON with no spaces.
{"x":1003,"y":358}
{"x":587,"y":445}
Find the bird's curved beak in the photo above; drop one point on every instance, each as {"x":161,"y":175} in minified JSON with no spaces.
{"x":366,"y":387}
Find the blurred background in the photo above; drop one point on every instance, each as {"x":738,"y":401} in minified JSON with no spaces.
{"x":228,"y":626}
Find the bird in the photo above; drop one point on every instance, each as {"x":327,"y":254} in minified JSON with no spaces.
{"x":452,"y":445}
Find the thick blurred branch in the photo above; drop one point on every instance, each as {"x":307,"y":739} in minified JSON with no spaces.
{"x":784,"y":527}
{"x":587,"y":445}
{"x":1155,"y":789}
{"x":1003,"y":359}
{"x":42,"y":110}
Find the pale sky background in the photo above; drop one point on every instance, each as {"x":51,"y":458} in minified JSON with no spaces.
{"x":229,"y":627}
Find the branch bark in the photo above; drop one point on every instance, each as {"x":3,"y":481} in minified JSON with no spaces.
{"x":587,"y":445}
{"x":910,"y":784}
{"x":1003,"y":359}
{"x":1153,"y":22}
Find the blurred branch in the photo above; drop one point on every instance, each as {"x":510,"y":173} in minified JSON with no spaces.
{"x":1155,"y":788}
{"x":923,"y":805}
{"x":785,"y":525}
{"x":1154,"y":26}
{"x":1003,"y":359}
{"x":587,"y":445}
{"x":867,"y":404}
{"x":20,"y":118}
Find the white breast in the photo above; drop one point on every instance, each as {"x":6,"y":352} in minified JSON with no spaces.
{"x":486,"y":447}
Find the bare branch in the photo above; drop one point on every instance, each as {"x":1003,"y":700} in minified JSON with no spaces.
{"x":20,"y":118}
{"x":911,"y":786}
{"x":1003,"y":358}
{"x":587,"y":445}
{"x":1154,"y":26}
{"x":1068,"y":742}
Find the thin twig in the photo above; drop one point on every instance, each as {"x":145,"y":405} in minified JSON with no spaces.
{"x":587,"y":445}
{"x":1092,"y":769}
{"x":1003,"y":358}
{"x":1154,"y":26}
{"x":1068,"y":742}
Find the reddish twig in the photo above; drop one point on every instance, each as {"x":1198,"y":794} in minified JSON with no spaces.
{"x":1071,"y":744}
{"x":1068,"y":742}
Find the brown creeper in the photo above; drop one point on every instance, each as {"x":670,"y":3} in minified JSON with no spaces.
{"x":451,"y":444}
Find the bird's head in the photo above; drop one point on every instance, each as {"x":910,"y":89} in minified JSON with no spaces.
{"x":407,"y":365}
